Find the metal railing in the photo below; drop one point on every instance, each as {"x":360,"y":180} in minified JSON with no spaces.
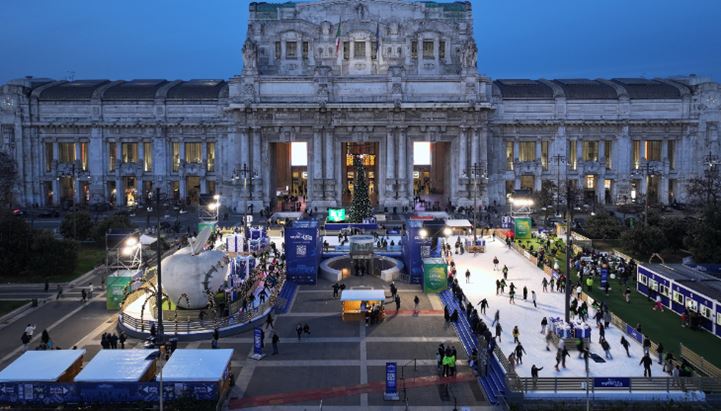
{"x":658,"y":384}
{"x":699,"y":362}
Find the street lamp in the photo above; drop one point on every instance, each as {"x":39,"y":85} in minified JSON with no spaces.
{"x":159,"y":254}
{"x":477,"y":176}
{"x":559,"y":159}
{"x":646,"y":171}
{"x":246,"y":174}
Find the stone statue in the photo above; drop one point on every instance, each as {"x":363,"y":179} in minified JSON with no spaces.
{"x":469,"y":58}
{"x":250,"y":53}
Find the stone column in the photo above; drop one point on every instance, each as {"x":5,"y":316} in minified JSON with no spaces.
{"x":390,"y":163}
{"x":402,"y":165}
{"x":600,"y":189}
{"x":95,"y":168}
{"x":315,"y":185}
{"x":474,"y":146}
{"x":244,"y":159}
{"x":56,"y":191}
{"x":257,"y":165}
{"x":119,"y":190}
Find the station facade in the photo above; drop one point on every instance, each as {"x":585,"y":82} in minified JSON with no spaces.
{"x":325,"y":80}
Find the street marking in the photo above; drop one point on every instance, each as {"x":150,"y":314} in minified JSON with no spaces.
{"x":363,"y":362}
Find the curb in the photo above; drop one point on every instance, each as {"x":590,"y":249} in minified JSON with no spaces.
{"x":10,"y":317}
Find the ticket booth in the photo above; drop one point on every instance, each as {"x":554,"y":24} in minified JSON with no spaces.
{"x":356,"y":303}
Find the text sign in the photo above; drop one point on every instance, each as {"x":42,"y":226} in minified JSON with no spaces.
{"x":615,"y":382}
{"x":391,"y":392}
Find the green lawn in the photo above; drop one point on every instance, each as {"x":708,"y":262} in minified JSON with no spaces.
{"x":7,"y":306}
{"x":661,"y":327}
{"x":89,"y":256}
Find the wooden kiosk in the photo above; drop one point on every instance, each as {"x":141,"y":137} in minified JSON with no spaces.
{"x":357,"y":302}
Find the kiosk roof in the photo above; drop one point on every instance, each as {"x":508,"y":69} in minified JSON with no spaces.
{"x":40,"y":366}
{"x":116,"y":366}
{"x":197,"y":365}
{"x":362,"y":295}
{"x":462,"y":223}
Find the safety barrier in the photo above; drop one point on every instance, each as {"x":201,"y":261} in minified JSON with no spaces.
{"x":700,"y":362}
{"x":656,"y":384}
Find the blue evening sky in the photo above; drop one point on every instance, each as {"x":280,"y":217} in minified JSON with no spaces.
{"x":183,"y":39}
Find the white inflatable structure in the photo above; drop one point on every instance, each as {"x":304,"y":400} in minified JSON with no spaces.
{"x":185,"y":271}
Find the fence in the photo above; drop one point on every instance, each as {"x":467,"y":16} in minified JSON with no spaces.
{"x":700,"y":362}
{"x":657,"y":384}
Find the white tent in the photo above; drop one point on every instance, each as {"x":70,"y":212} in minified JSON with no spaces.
{"x":146,"y":239}
{"x":462,"y":223}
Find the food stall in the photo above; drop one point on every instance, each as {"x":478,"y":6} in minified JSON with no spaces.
{"x":41,"y":378}
{"x":116,"y":376}
{"x":356,"y":303}
{"x":203,"y":374}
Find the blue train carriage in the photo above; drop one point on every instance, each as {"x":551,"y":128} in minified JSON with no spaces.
{"x":41,"y":378}
{"x":702,"y":297}
{"x":718,"y":319}
{"x":652,"y":280}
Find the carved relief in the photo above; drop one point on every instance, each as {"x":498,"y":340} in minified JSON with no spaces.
{"x":250,"y":55}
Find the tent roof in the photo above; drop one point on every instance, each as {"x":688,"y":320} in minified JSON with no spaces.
{"x":459,"y":223}
{"x":362,"y":295}
{"x":40,"y":366}
{"x":116,"y":366}
{"x":197,"y":365}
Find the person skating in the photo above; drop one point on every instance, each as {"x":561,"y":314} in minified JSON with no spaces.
{"x":468,"y":276}
{"x":299,"y":330}
{"x":544,"y":283}
{"x":559,"y":357}
{"x":659,"y":350}
{"x":484,"y":304}
{"x":533,"y":298}
{"x":534,"y":374}
{"x":519,"y":352}
{"x":512,"y":297}
{"x":515,"y":333}
{"x":498,"y":286}
{"x":646,"y":361}
{"x":503,"y":286}
{"x":646,"y":345}
{"x":499,"y":329}
{"x":606,"y":348}
{"x":495,"y":263}
{"x":274,"y":342}
{"x":625,"y":344}
{"x":496,"y":318}
{"x":549,"y":339}
{"x":505,"y":272}
{"x":565,"y":354}
{"x":544,"y":323}
{"x":525,"y":293}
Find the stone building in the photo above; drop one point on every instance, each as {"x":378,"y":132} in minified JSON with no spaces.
{"x":382,"y":78}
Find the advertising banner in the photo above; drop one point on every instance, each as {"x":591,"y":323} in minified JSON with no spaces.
{"x":203,"y":224}
{"x":604,"y":277}
{"x":612,"y":382}
{"x":303,"y":249}
{"x":258,"y":341}
{"x":115,"y":288}
{"x":336,"y":215}
{"x":414,"y":248}
{"x":522,"y":228}
{"x":391,"y":392}
{"x":435,"y":275}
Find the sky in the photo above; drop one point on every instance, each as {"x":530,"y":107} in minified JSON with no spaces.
{"x":185,"y":39}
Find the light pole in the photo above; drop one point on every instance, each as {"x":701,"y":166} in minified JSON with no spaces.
{"x":159,"y":254}
{"x":477,"y":175}
{"x":559,"y":159}
{"x":245,"y":173}
{"x":570,"y":203}
{"x":647,"y":170}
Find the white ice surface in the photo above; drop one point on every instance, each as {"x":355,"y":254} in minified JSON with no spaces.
{"x":528,"y":319}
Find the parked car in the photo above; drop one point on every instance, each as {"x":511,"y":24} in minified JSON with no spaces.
{"x":18,"y":212}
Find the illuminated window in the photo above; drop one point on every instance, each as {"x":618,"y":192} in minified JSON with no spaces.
{"x":607,"y":152}
{"x":590,"y":182}
{"x":678,"y":297}
{"x":527,"y":182}
{"x":509,"y":155}
{"x":49,"y":156}
{"x":653,"y":150}
{"x":147,"y":156}
{"x":129,"y":152}
{"x":367,"y":160}
{"x":299,"y":154}
{"x":421,"y":153}
{"x":66,"y":152}
{"x":211,"y":157}
{"x":572,"y":158}
{"x":691,"y":304}
{"x":527,"y":151}
{"x":705,"y":311}
{"x":359,"y":49}
{"x":544,"y":155}
{"x":428,"y":50}
{"x":176,"y":156}
{"x":84,"y":156}
{"x":642,"y":279}
{"x":193,"y":152}
{"x":672,"y":154}
{"x":112,"y":156}
{"x":590,"y":151}
{"x":636,"y":154}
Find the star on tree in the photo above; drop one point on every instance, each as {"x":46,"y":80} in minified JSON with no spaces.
{"x":361,"y":205}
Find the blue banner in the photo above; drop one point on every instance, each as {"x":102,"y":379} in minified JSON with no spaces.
{"x":611,"y":382}
{"x":391,"y":392}
{"x":604,"y":277}
{"x":633,"y":333}
{"x":303,"y":248}
{"x":257,"y":340}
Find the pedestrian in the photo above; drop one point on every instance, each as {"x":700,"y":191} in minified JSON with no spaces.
{"x":299,"y":330}
{"x":498,"y":286}
{"x":646,"y":345}
{"x":394,"y":290}
{"x":452,"y":362}
{"x":495,"y":263}
{"x":627,"y":295}
{"x":544,"y":283}
{"x":659,"y":350}
{"x":269,"y":321}
{"x":398,"y":302}
{"x":512,"y":296}
{"x":525,"y":293}
{"x":606,"y":348}
{"x":505,"y":272}
{"x":60,"y":292}
{"x":498,"y":331}
{"x":625,"y":344}
{"x":646,"y":361}
{"x":90,"y":291}
{"x":606,"y":318}
{"x":45,"y":338}
{"x":579,"y":290}
{"x":565,"y":354}
{"x":439,"y":356}
{"x":417,"y":301}
{"x":114,"y":341}
{"x":274,"y":342}
{"x":306,"y":328}
{"x":559,"y":357}
{"x":586,"y":358}
{"x":83,"y":295}
{"x":446,"y":313}
{"x":549,"y":339}
{"x":496,"y":317}
{"x":534,"y":374}
{"x":446,"y":361}
{"x":468,"y":276}
{"x":484,"y":304}
{"x":516,"y":333}
{"x":533,"y":298}
{"x":122,"y":338}
{"x":544,"y":323}
{"x":519,"y":352}
{"x":336,"y":287}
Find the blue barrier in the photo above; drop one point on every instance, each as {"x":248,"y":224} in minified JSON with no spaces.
{"x":494,"y":382}
{"x":287,"y":293}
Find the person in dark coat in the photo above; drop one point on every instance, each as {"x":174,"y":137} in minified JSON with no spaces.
{"x":646,"y":361}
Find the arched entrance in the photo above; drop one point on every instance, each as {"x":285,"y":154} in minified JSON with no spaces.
{"x":369,"y":154}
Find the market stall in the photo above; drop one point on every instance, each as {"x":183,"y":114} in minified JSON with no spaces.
{"x":117,"y":376}
{"x":41,"y":378}
{"x":356,"y":303}
{"x":203,"y":373}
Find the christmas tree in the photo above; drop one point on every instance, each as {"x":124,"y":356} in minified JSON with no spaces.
{"x":361,"y":205}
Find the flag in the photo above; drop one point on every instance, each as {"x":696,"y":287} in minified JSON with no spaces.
{"x":378,"y":37}
{"x":337,"y":39}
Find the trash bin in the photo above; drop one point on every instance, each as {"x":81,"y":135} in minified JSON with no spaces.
{"x":35,"y":302}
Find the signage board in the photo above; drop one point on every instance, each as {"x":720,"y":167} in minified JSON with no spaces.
{"x":522,"y":228}
{"x":435,"y":275}
{"x":611,"y":382}
{"x":336,"y":215}
{"x":391,"y":392}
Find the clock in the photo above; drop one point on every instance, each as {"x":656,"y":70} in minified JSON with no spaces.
{"x":7,"y":103}
{"x":712,"y":100}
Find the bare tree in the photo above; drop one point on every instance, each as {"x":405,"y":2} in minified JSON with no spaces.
{"x":8,"y":177}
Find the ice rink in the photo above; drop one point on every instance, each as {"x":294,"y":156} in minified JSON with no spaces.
{"x":528,"y":319}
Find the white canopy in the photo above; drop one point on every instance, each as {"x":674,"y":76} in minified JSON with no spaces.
{"x":462,"y":223}
{"x":116,"y":366}
{"x":197,"y":365}
{"x":287,"y":214}
{"x":146,"y":239}
{"x":435,"y":214}
{"x":362,"y":295}
{"x":40,"y":366}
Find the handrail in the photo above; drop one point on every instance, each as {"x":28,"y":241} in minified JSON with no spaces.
{"x":661,"y":384}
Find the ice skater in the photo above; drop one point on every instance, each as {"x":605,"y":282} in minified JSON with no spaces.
{"x":468,"y":276}
{"x":496,"y":318}
{"x":646,"y":361}
{"x":484,"y":304}
{"x":499,"y":330}
{"x":544,"y":323}
{"x":544,"y":283}
{"x":625,"y":344}
{"x":525,"y":293}
{"x":495,"y":263}
{"x":606,"y":348}
{"x":505,"y":272}
{"x":533,"y":298}
{"x":519,"y":352}
{"x":516,"y":333}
